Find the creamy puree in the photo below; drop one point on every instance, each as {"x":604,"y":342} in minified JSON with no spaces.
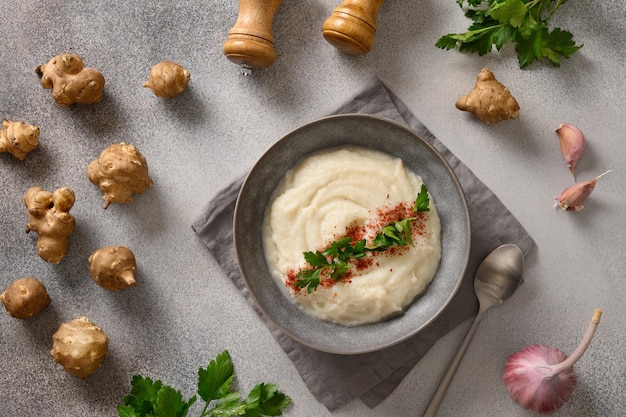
{"x":329,"y":193}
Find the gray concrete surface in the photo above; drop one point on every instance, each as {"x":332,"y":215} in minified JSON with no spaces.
{"x":183,"y":310}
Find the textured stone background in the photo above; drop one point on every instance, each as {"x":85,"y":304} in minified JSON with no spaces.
{"x":183,"y":310}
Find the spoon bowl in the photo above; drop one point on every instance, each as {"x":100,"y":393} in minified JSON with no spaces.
{"x":496,"y":279}
{"x":499,"y":275}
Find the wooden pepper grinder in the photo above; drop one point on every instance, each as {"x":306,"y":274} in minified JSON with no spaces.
{"x":352,"y":26}
{"x":250,"y":42}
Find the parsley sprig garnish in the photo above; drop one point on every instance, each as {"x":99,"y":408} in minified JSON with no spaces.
{"x":334,"y":261}
{"x":150,"y":398}
{"x":522,"y":22}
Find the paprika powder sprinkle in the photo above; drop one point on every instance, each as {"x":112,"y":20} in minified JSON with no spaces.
{"x":382,"y":217}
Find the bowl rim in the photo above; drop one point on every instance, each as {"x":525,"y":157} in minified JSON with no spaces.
{"x":465,"y":256}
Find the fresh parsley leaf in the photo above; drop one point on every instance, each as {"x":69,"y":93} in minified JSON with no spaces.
{"x":510,"y":12}
{"x":142,"y":395}
{"x":229,"y":405}
{"x":528,"y":27}
{"x":337,"y":249}
{"x":169,"y":403}
{"x":531,"y":49}
{"x":398,"y":233}
{"x":358,"y":250}
{"x":422,"y":201}
{"x":480,"y":44}
{"x":390,"y":232}
{"x":560,"y":43}
{"x":309,"y":279}
{"x":127,"y":411}
{"x":153,"y":399}
{"x":339,"y":269}
{"x":502,"y":35}
{"x":524,"y":23}
{"x":265,"y":400}
{"x":447,"y":42}
{"x":315,"y":259}
{"x":404,"y":228}
{"x":214,"y":381}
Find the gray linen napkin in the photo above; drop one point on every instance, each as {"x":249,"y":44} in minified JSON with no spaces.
{"x":335,"y":380}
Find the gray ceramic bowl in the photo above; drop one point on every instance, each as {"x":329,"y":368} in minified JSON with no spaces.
{"x":371,"y":132}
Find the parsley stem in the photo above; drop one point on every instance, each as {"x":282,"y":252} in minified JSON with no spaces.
{"x":205,"y":411}
{"x":467,"y":35}
{"x":554,"y":9}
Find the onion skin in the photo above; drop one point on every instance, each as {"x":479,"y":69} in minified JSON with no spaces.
{"x":528,"y":380}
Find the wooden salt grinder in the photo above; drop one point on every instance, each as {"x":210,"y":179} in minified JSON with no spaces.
{"x":250,"y":42}
{"x":352,"y":26}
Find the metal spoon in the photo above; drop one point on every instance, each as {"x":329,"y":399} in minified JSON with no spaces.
{"x":496,"y":279}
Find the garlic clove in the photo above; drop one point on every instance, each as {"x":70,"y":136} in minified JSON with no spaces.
{"x":573,"y":197}
{"x":572,"y":143}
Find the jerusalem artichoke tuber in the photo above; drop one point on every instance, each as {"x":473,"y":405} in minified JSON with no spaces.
{"x":167,"y":79}
{"x":490,"y":100}
{"x":18,"y":138}
{"x":113,"y":267}
{"x":25,"y":297}
{"x":80,"y":347}
{"x":70,"y":81}
{"x":49,"y":217}
{"x":120,"y":171}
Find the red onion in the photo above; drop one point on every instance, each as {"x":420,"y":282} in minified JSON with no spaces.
{"x":541,"y":378}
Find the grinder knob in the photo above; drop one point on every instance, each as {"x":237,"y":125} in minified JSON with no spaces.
{"x":250,"y":41}
{"x":352,"y":26}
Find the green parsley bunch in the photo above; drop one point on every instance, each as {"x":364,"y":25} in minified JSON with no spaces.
{"x":522,"y":22}
{"x":150,"y":398}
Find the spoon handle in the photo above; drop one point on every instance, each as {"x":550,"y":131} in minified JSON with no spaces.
{"x":437,"y":399}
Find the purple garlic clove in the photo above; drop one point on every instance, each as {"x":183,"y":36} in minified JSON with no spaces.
{"x":572,"y":142}
{"x":573,"y":197}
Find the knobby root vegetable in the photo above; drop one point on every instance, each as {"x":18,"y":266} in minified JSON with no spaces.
{"x":71,"y":83}
{"x":18,"y":138}
{"x":25,"y":297}
{"x":49,"y":217}
{"x":167,"y":79}
{"x":113,"y":267}
{"x":80,"y":347}
{"x":120,"y":171}
{"x":490,"y":100}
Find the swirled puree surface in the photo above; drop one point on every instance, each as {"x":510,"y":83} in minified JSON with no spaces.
{"x":351,"y":192}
